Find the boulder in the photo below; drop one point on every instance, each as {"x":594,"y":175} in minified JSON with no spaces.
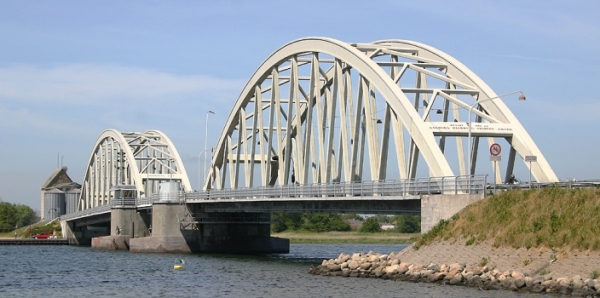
{"x":365,"y":266}
{"x":456,"y":279}
{"x":353,"y":265}
{"x":346,"y":272}
{"x":456,"y":266}
{"x":519,"y":282}
{"x":334,"y":267}
{"x":433,"y":267}
{"x":342,"y":258}
{"x":517,"y":275}
{"x":528,"y":281}
{"x":391,"y":269}
{"x":403,"y":268}
{"x":444,"y":268}
{"x":451,"y":274}
{"x":372,"y":258}
{"x":415,"y":267}
{"x":437,"y":276}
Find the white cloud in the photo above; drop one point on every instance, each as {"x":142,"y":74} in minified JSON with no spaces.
{"x":75,"y":83}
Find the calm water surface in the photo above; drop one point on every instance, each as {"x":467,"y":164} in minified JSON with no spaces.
{"x":67,"y":271}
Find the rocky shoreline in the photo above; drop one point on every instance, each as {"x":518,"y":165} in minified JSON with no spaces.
{"x":393,"y":266}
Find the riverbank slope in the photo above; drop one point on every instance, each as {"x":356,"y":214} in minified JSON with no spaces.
{"x":527,"y":240}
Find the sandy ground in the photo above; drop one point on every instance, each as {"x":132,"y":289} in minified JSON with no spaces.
{"x":535,"y":261}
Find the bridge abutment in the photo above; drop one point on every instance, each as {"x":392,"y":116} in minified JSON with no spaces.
{"x":437,"y":207}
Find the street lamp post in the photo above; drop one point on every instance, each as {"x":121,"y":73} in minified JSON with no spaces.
{"x":470,"y":149}
{"x":205,"y":138}
{"x":200,"y":174}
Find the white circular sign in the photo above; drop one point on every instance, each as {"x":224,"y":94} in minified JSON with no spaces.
{"x":495,"y":149}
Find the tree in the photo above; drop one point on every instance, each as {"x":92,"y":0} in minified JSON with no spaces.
{"x":12,"y":215}
{"x":354,"y":216}
{"x":371,"y":225}
{"x":324,"y":222}
{"x":408,"y":224}
{"x":311,"y":222}
{"x":285,"y":221}
{"x":8,"y":218}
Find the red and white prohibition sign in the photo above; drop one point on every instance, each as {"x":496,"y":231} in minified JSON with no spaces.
{"x":495,"y":149}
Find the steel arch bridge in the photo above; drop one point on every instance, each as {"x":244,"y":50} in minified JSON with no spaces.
{"x":319,"y":110}
{"x":141,"y":159}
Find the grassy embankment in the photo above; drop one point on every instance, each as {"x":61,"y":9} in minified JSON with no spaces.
{"x":43,"y":227}
{"x":552,"y":218}
{"x":348,"y":237}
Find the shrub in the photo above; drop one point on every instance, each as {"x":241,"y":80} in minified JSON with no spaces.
{"x":371,"y":225}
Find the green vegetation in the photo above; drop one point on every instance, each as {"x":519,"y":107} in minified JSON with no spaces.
{"x":15,"y":215}
{"x":552,"y":217}
{"x":308,"y":222}
{"x":346,"y":237}
{"x":371,"y":225}
{"x":325,"y":222}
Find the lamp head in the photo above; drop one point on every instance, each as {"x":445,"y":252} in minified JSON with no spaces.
{"x":522,"y":97}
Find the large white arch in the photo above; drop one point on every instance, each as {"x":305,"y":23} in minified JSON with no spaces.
{"x":340,"y":85}
{"x":141,"y":159}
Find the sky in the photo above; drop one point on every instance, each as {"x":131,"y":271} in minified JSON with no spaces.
{"x":71,"y":69}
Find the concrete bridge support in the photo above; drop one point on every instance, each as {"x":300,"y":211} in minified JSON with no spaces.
{"x":437,"y":207}
{"x":175,"y":228}
{"x":126,"y":223}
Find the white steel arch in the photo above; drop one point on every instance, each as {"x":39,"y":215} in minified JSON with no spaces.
{"x":319,"y":110}
{"x":142,"y":159}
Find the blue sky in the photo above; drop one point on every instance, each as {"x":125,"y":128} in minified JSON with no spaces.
{"x":71,"y":69}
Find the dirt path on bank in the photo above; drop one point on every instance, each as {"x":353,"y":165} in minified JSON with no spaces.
{"x":535,"y":261}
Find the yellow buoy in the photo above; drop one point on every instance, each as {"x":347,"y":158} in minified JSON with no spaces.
{"x":179,"y":264}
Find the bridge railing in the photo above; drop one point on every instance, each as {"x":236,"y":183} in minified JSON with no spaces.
{"x":407,"y":187}
{"x":435,"y":185}
{"x":86,"y":212}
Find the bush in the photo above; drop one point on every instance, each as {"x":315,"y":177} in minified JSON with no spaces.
{"x":371,"y":225}
{"x":311,"y":222}
{"x":408,"y":223}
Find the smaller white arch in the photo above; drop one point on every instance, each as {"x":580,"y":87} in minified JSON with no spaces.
{"x":141,"y":159}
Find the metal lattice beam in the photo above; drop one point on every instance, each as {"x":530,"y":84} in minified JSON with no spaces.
{"x":319,"y":110}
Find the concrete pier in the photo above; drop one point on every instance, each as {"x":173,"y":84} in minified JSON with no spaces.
{"x":193,"y":231}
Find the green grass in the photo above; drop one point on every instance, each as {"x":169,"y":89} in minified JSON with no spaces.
{"x":347,"y":237}
{"x":552,"y":217}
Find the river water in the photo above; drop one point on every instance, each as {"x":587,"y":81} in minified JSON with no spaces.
{"x":69,"y":271}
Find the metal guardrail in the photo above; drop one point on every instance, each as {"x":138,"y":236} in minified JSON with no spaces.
{"x":440,"y":185}
{"x":540,"y":185}
{"x":86,"y":212}
{"x":407,"y":187}
{"x":123,"y":202}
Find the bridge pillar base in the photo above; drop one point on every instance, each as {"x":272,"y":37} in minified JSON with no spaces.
{"x":111,"y":243}
{"x":174,"y":229}
{"x":171,"y":244}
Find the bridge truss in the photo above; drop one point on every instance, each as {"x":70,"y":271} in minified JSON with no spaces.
{"x":141,"y":159}
{"x":319,"y":110}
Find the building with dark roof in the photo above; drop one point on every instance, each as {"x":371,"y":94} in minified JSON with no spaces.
{"x":59,"y":195}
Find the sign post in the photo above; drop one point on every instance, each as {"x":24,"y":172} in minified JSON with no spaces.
{"x":530,"y":159}
{"x":495,"y":150}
